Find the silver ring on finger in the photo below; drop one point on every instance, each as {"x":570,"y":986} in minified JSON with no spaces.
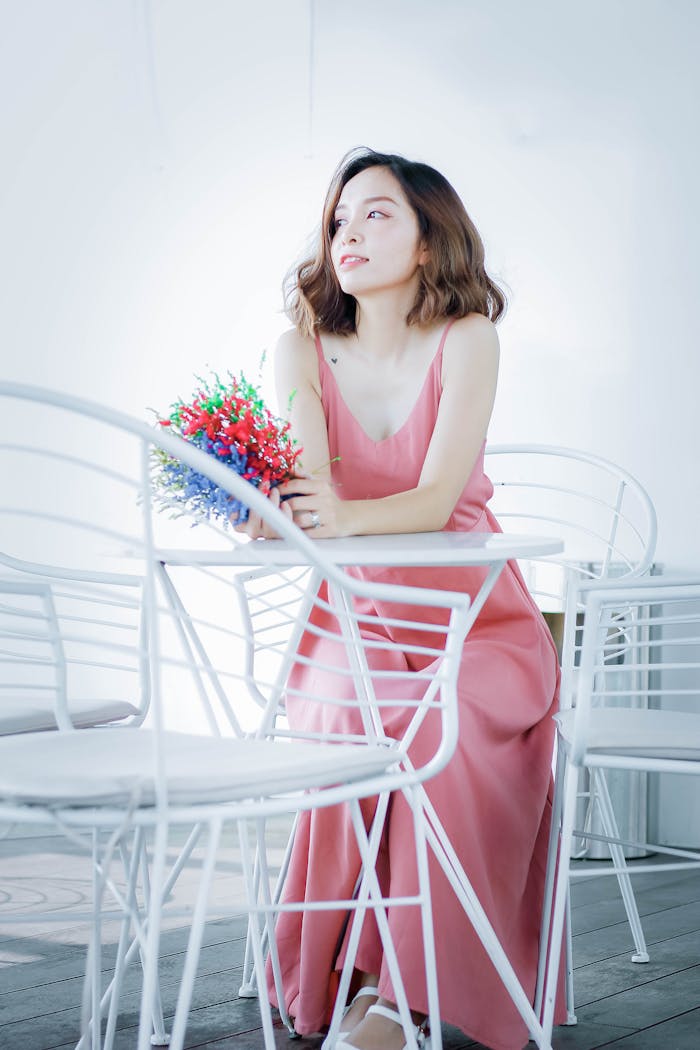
{"x":315,"y":520}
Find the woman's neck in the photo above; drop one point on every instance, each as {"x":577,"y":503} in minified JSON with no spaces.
{"x":381,"y":322}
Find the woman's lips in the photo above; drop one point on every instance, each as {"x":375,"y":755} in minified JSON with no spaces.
{"x":349,"y":261}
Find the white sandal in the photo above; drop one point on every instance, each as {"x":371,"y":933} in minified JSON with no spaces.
{"x":422,"y":1040}
{"x":366,"y":989}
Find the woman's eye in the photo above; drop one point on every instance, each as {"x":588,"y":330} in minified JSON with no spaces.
{"x":338,"y":222}
{"x":374,"y":214}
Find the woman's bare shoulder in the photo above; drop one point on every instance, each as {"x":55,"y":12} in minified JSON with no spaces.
{"x":296,"y":359}
{"x":293,"y":342}
{"x":292,"y":346}
{"x":471,"y":341}
{"x":474,"y":328}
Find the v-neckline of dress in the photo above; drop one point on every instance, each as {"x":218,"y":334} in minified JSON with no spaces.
{"x":412,"y":412}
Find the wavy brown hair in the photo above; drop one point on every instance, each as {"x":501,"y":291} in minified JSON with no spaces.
{"x":453,"y":282}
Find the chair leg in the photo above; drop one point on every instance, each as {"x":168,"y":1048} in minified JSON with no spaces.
{"x":248,"y":988}
{"x":177,"y":1036}
{"x":111,"y":995}
{"x":549,"y":880}
{"x":256,"y":938}
{"x":159,"y":1036}
{"x":570,"y":778}
{"x":361,"y":897}
{"x":269,"y":938}
{"x":151,"y":947}
{"x":370,"y":891}
{"x":91,"y":1013}
{"x":427,"y":926}
{"x":571,"y":1018}
{"x":140,"y":859}
{"x":607,"y":816}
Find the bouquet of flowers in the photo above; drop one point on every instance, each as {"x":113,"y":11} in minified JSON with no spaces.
{"x":228,"y":420}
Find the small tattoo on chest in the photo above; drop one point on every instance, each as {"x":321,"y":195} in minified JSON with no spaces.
{"x":334,"y":360}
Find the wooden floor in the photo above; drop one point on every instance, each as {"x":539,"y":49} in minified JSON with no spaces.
{"x":632,"y":1007}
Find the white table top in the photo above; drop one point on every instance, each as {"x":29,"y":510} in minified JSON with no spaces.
{"x":418,"y":548}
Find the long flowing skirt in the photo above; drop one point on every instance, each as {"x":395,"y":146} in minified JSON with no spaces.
{"x":494,"y":801}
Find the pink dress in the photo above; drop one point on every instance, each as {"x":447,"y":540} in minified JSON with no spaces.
{"x":492,"y":798}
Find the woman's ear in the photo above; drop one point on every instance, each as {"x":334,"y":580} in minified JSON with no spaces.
{"x":424,"y":254}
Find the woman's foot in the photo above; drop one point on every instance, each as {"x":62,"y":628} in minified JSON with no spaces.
{"x":366,"y":995}
{"x":380,"y":1029}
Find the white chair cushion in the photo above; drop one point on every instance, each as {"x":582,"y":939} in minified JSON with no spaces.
{"x":20,"y":715}
{"x":104,"y":766}
{"x":640,"y":732}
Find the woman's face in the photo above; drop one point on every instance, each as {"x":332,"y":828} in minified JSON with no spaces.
{"x":376,"y":244}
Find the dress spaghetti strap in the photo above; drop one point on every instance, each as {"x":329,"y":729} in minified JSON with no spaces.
{"x":319,"y":348}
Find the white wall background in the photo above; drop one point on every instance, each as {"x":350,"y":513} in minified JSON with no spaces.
{"x":164,"y":161}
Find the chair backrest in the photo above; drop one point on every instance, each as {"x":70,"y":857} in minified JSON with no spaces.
{"x":603,"y":514}
{"x":68,"y":654}
{"x":274,"y":606}
{"x":32,"y":656}
{"x":640,"y":647}
{"x":80,"y":516}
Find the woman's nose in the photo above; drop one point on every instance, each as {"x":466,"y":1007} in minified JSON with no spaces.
{"x":350,"y":234}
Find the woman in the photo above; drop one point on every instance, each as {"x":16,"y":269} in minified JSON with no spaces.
{"x":393,"y":363}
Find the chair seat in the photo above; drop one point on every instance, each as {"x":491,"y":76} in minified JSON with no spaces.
{"x":638,"y":732}
{"x":105,"y":766}
{"x":20,"y":715}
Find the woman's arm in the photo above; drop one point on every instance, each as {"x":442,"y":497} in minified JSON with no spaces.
{"x":470,"y":370}
{"x":299,"y":400}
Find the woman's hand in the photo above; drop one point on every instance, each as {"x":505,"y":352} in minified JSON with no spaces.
{"x":258,"y":529}
{"x":314,"y":506}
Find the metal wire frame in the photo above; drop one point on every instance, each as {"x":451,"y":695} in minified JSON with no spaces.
{"x":273,"y":581}
{"x":617,"y":625}
{"x":608,"y":524}
{"x":603,"y":514}
{"x":47,"y":646}
{"x":435,"y":837}
{"x":150,"y":802}
{"x":39,"y":634}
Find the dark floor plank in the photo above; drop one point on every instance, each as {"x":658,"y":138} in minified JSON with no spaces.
{"x":64,"y":962}
{"x":680,"y":1033}
{"x":650,"y":902}
{"x":613,"y":977}
{"x":647,"y":1004}
{"x":599,"y":944}
{"x":586,"y":1035}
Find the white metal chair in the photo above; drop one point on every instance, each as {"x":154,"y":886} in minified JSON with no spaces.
{"x":640,"y":643}
{"x":601,"y":512}
{"x":69,"y":517}
{"x":51,"y":674}
{"x":71,"y":655}
{"x":608,"y":525}
{"x":56,"y":674}
{"x":275,"y":606}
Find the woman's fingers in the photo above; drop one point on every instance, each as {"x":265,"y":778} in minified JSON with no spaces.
{"x":244,"y":527}
{"x":307,"y":507}
{"x":255,"y":526}
{"x":299,"y":487}
{"x":299,"y":504}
